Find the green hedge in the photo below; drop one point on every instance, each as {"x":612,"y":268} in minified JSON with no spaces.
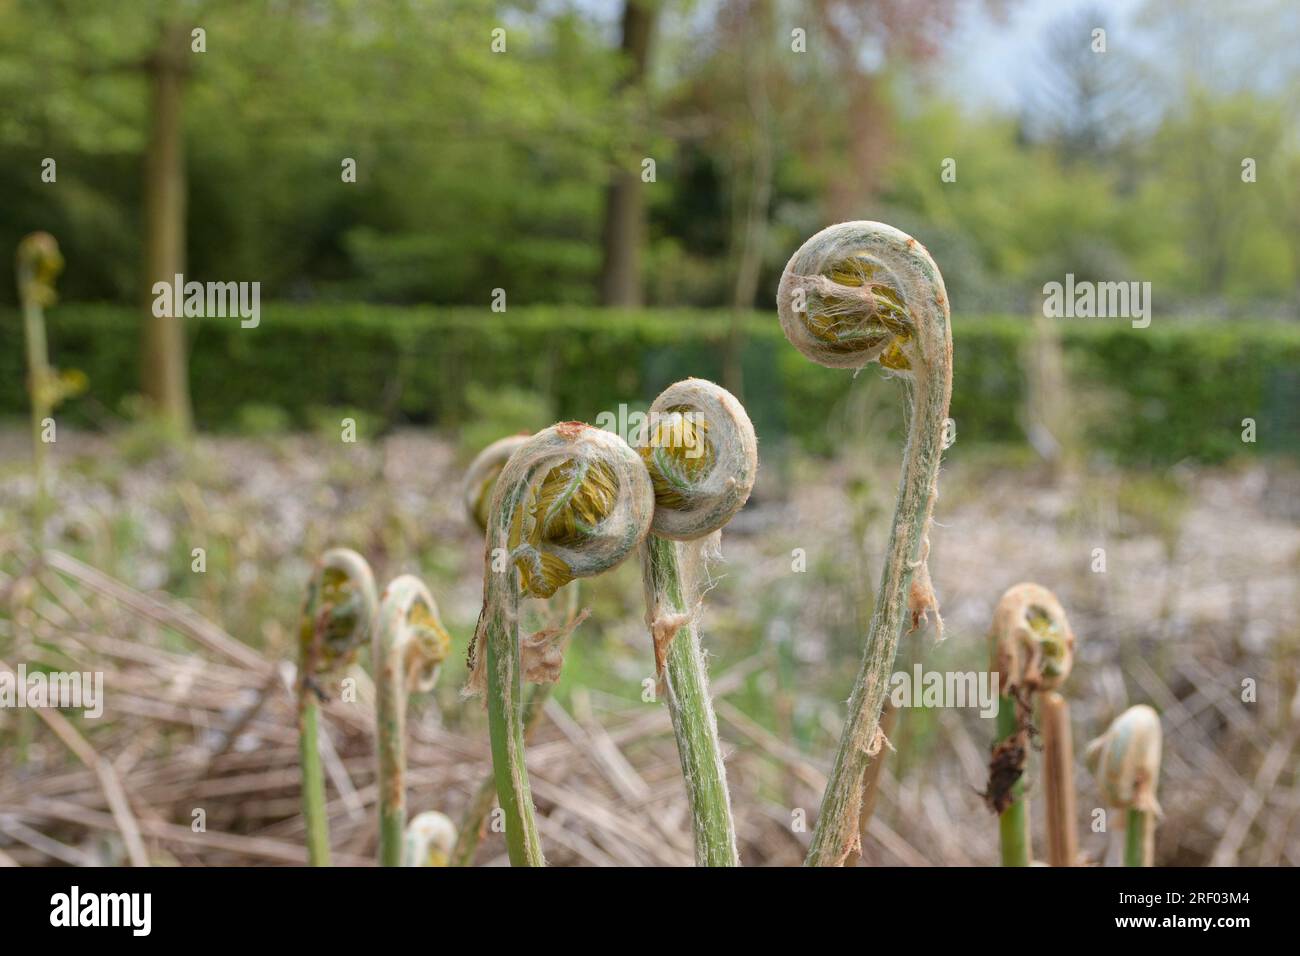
{"x":1173,"y":391}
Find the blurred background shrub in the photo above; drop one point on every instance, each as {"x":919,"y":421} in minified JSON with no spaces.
{"x":1174,"y":391}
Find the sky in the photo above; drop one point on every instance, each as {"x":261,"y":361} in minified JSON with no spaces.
{"x":989,"y":61}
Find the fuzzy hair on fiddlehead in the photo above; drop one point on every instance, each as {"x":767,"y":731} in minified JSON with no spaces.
{"x":574,"y":505}
{"x":578,"y":501}
{"x":847,"y":298}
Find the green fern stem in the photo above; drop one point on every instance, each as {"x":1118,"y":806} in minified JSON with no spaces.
{"x":1013,"y":822}
{"x":701,"y":454}
{"x":1139,"y":829}
{"x":410,"y":644}
{"x":686,"y":688}
{"x":313,"y":783}
{"x":502,"y":663}
{"x":470,"y":834}
{"x":573,"y":501}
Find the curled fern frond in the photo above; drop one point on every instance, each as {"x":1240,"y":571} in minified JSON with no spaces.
{"x":338,"y":614}
{"x":1125,"y":761}
{"x":702,"y":456}
{"x":476,"y":493}
{"x":429,"y":840}
{"x":1032,"y":652}
{"x":573,"y":501}
{"x":337,"y":618}
{"x":863,"y":292}
{"x":853,"y":294}
{"x":1032,"y":643}
{"x":410,"y":645}
{"x":39,"y":262}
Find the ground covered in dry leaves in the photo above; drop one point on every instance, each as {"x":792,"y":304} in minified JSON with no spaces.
{"x":195,"y":760}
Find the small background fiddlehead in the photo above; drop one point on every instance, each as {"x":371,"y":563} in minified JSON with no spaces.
{"x":337,"y":618}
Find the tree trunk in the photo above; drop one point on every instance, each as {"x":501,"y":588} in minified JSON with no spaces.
{"x":164,"y":373}
{"x":624,"y":226}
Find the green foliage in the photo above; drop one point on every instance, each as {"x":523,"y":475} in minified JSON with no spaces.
{"x":477,"y":171}
{"x":1181,"y":389}
{"x":142,"y":436}
{"x":474,"y":170}
{"x":258,"y":419}
{"x":1174,"y":391}
{"x":1154,"y":503}
{"x":1173,"y":210}
{"x":494,"y":411}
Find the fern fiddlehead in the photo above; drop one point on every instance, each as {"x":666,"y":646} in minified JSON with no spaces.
{"x":37,"y":265}
{"x":476,"y":493}
{"x":410,"y":645}
{"x":1032,"y":651}
{"x":1125,"y":761}
{"x":702,"y":456}
{"x":856,"y":293}
{"x":573,"y":501}
{"x":429,"y":840}
{"x":337,"y":616}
